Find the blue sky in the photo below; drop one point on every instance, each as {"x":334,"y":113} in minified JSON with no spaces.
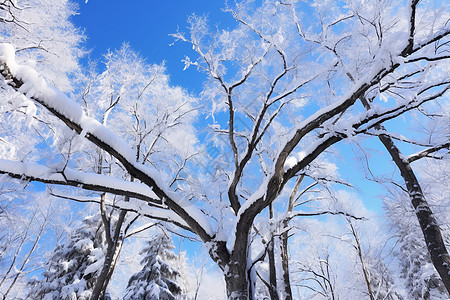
{"x":146,"y":26}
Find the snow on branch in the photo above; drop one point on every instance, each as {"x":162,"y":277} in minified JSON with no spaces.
{"x":360,"y":125}
{"x":371,"y":119}
{"x":374,"y":117}
{"x":326,"y":113}
{"x":438,"y":36}
{"x":27,"y":81}
{"x":271,"y":188}
{"x":70,"y":177}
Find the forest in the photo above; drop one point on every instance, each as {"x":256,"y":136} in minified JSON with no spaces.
{"x":313,"y":164}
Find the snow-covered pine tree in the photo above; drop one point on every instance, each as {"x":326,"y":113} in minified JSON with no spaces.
{"x":158,"y":279}
{"x":420,"y":278}
{"x":70,"y":273}
{"x":381,"y":280}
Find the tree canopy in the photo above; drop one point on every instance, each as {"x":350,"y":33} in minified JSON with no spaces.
{"x":250,"y":167}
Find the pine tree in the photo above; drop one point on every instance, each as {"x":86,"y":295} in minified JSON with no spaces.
{"x":158,"y":279}
{"x":381,"y":281}
{"x":71,"y":271}
{"x":420,"y":278}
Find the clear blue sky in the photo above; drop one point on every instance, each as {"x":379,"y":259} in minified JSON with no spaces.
{"x":146,"y":26}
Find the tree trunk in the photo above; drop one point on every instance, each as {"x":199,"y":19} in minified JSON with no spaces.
{"x":234,"y":268}
{"x":361,"y":260}
{"x":284,"y":243}
{"x":285,"y":264}
{"x":428,"y":223}
{"x":237,"y":282}
{"x":273,"y":290}
{"x":114,"y":246}
{"x":100,"y":287}
{"x":105,"y":274}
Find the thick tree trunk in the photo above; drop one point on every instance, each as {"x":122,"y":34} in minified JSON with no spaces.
{"x":428,"y":223}
{"x":234,"y":268}
{"x":237,"y":282}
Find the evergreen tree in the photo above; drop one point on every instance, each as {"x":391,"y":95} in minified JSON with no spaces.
{"x":420,"y":278}
{"x":71,"y":271}
{"x":381,"y":280}
{"x":158,"y":279}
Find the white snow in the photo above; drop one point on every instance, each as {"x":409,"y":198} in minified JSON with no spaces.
{"x":293,"y":160}
{"x":97,"y":265}
{"x":42,"y":172}
{"x":35,"y":86}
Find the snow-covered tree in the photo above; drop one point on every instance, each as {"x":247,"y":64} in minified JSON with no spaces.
{"x":45,"y":39}
{"x":425,"y":175}
{"x":377,"y":278}
{"x":27,"y":226}
{"x":338,"y":258}
{"x":420,"y":278}
{"x":158,"y":278}
{"x":284,"y":86}
{"x":134,"y":99}
{"x":44,"y":36}
{"x":72,"y":269}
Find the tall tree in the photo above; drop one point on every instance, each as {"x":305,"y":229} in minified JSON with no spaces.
{"x":283,"y":88}
{"x":420,"y":278}
{"x":129,"y":97}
